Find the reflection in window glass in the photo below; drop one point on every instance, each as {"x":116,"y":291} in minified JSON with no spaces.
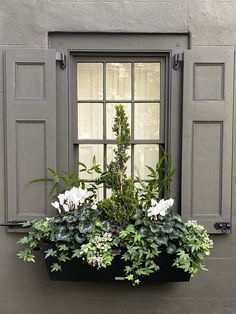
{"x":145,"y":155}
{"x":110,"y":115}
{"x":147,"y":121}
{"x":147,"y":81}
{"x":89,"y":81}
{"x":118,"y":81}
{"x":90,"y":120}
{"x":86,"y":153}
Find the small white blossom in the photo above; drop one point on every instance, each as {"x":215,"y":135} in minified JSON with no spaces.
{"x":94,"y":206}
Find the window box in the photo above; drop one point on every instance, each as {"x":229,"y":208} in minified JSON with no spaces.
{"x":78,"y":270}
{"x":134,"y":223}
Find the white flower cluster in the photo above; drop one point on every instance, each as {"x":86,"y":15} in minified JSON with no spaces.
{"x":72,"y":199}
{"x":98,"y":250}
{"x":159,"y":208}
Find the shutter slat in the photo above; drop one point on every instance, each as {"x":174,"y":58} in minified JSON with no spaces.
{"x":207,"y":136}
{"x":30,"y":130}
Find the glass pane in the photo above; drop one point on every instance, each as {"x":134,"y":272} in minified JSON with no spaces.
{"x":145,"y":155}
{"x":110,"y":115}
{"x":118,"y":81}
{"x":147,"y":121}
{"x":110,"y":157}
{"x":147,"y":81}
{"x":89,"y":81}
{"x":90,"y":121}
{"x":86,"y":153}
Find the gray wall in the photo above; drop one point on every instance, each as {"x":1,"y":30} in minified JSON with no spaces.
{"x":26,"y":288}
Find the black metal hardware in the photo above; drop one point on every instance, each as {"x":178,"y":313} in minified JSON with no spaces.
{"x":13,"y":224}
{"x":223,"y":226}
{"x":61,"y":59}
{"x":177,"y":60}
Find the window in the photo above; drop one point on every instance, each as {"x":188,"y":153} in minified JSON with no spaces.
{"x":103,"y":82}
{"x":100,"y":49}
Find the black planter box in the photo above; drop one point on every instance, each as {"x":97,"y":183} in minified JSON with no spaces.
{"x":77,"y":270}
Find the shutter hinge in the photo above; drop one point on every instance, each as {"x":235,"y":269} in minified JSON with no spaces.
{"x":223,"y":226}
{"x":14,"y":224}
{"x":178,"y":59}
{"x":61,"y":59}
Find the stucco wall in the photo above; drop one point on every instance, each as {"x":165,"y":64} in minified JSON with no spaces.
{"x":26,"y":288}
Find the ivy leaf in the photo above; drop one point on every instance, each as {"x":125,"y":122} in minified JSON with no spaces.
{"x":50,"y":252}
{"x":55,"y":267}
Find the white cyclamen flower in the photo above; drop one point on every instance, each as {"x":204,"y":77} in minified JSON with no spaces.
{"x":77,"y":196}
{"x":56,"y":205}
{"x":159,"y":208}
{"x":65,"y":207}
{"x":61,"y":198}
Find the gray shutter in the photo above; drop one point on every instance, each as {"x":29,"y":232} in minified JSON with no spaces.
{"x":30,"y":130}
{"x":207,"y":136}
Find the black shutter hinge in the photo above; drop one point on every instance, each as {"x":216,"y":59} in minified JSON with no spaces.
{"x":61,"y":59}
{"x":14,"y":224}
{"x":223,"y":226}
{"x":178,"y":59}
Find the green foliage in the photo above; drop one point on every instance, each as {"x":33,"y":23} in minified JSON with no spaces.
{"x":193,"y":247}
{"x":68,"y":180}
{"x":140,"y":254}
{"x":55,"y":267}
{"x":160,"y":177}
{"x":135,"y":223}
{"x":68,"y":231}
{"x":98,"y":251}
{"x":121,"y":206}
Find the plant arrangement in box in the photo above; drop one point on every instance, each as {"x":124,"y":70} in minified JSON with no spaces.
{"x":136,"y":222}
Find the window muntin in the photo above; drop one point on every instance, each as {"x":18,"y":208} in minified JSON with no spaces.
{"x":138,"y":84}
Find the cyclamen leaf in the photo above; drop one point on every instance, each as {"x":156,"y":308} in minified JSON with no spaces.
{"x":86,"y":226}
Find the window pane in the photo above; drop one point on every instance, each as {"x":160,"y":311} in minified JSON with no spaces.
{"x":86,"y":153}
{"x":147,"y":121}
{"x":90,"y":121}
{"x":110,"y":115}
{"x":147,"y":81}
{"x":118,"y":81}
{"x":110,"y":157}
{"x":145,"y":155}
{"x":90,"y":81}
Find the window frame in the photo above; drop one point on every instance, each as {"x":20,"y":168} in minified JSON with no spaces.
{"x":121,"y":58}
{"x":115,"y":44}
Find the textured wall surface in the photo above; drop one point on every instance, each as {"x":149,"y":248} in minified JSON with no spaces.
{"x":25,"y":288}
